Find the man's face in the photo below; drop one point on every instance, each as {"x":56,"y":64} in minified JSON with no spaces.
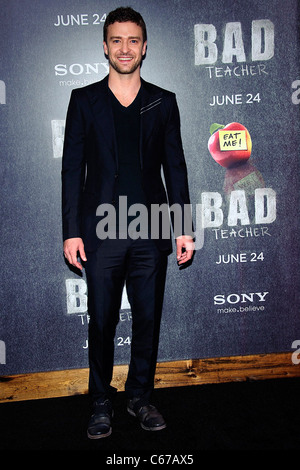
{"x":125,"y":47}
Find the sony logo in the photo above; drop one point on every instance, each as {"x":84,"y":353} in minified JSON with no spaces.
{"x":221,"y":299}
{"x":79,"y":69}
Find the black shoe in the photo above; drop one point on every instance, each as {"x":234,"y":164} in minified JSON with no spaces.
{"x":100,"y":422}
{"x":149,"y":417}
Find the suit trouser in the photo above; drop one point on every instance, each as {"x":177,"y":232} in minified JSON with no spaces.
{"x":142,"y":266}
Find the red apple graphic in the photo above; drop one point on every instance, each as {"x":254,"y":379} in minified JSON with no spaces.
{"x":230,"y":144}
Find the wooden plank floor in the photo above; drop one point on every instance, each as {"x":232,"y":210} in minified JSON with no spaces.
{"x":168,"y":374}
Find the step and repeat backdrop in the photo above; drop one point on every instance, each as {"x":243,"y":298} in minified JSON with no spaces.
{"x":235,"y":69}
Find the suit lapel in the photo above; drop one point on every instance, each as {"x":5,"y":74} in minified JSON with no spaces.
{"x":100,"y":101}
{"x":150,"y":103}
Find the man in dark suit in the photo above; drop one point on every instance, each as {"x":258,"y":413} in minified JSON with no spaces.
{"x":119,"y":133}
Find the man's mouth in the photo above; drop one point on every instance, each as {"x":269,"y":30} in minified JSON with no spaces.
{"x":125,"y":59}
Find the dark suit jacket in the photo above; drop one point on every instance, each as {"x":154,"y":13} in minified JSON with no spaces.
{"x":90,"y":160}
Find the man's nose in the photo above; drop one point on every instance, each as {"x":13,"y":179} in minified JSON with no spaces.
{"x":125,"y":46}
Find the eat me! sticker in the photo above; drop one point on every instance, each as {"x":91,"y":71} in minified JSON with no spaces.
{"x":232,"y":140}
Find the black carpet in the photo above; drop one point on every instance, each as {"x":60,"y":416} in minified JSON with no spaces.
{"x":256,"y":415}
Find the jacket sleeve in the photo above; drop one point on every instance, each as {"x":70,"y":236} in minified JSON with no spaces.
{"x":175,"y":173}
{"x":73,"y":169}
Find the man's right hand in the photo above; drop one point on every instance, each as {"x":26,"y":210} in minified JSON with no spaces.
{"x":73,"y":247}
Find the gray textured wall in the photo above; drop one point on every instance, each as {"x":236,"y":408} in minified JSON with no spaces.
{"x":240,"y":64}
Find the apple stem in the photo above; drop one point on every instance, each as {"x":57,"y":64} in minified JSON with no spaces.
{"x":214,"y":127}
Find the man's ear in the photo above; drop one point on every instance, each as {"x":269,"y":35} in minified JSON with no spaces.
{"x":144,"y":50}
{"x":105,"y":48}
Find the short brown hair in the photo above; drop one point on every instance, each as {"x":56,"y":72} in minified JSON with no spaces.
{"x":121,"y":15}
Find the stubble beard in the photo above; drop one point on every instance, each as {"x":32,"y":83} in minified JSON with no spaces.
{"x":122,"y":71}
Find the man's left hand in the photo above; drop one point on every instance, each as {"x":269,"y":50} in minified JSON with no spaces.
{"x":185,"y":248}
